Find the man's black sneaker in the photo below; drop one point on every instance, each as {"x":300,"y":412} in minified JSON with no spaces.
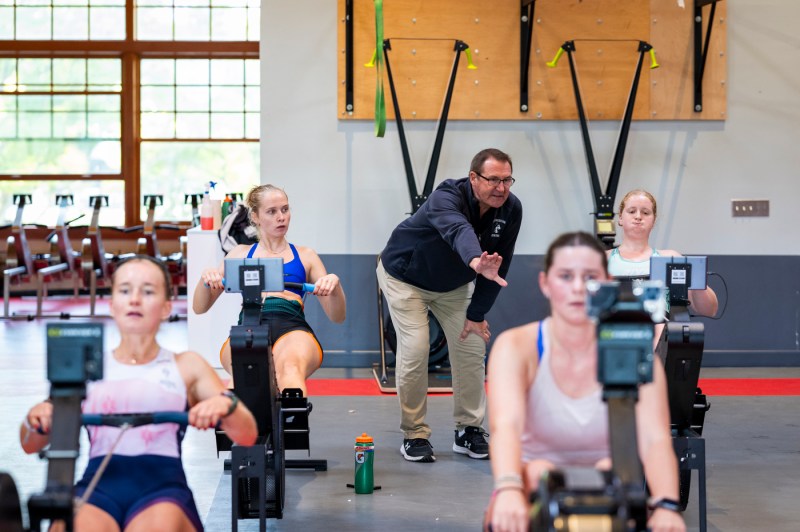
{"x":472,"y":443}
{"x":417,"y":450}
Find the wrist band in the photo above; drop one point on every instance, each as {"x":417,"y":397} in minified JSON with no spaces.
{"x":512,"y":479}
{"x":506,"y":488}
{"x":665,"y":503}
{"x":234,"y":401}
{"x":508,"y":482}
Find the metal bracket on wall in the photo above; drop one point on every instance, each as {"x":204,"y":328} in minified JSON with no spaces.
{"x":604,"y":199}
{"x":700,"y":48}
{"x":527,"y":8}
{"x":418,"y":198}
{"x":348,"y":56}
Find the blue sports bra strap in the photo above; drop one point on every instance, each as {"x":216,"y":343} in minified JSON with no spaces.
{"x":294,"y":252}
{"x":540,"y":341}
{"x":252,"y":250}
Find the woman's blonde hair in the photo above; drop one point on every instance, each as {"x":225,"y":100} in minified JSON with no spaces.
{"x":253,"y":200}
{"x":639,"y":192}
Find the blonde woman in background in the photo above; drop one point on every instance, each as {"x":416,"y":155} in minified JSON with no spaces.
{"x":296,"y":351}
{"x":637,"y":216}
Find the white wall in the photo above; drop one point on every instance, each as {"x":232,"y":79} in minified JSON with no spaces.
{"x":348,"y":188}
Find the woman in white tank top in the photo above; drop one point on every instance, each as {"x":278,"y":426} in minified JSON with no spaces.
{"x":144,"y":487}
{"x":637,"y":216}
{"x":545,"y":406}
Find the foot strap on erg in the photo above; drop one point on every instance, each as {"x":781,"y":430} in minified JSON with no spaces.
{"x":295,"y":409}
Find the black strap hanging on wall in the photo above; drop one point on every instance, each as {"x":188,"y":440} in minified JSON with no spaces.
{"x":700,"y":49}
{"x":437,"y":356}
{"x":418,"y":198}
{"x":604,"y":200}
{"x":527,"y":8}
{"x":348,"y":58}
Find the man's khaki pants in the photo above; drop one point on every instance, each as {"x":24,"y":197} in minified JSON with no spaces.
{"x":408,"y":306}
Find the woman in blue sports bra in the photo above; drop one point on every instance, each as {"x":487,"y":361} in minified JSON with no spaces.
{"x":295,"y":349}
{"x":637,"y":216}
{"x":545,"y":405}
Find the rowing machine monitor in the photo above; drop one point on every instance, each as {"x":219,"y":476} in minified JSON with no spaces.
{"x":74,"y":356}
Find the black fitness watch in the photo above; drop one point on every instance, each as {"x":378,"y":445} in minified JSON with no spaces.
{"x":234,"y":401}
{"x":665,"y":503}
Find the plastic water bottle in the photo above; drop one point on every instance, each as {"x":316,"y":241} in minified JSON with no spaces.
{"x":215,"y":195}
{"x":206,"y":212}
{"x":365,"y":455}
{"x":227,"y":206}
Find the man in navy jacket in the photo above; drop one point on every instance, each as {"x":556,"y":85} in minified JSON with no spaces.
{"x":465,"y":230}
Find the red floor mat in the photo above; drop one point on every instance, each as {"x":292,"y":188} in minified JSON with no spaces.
{"x":711,"y":387}
{"x":741,"y":387}
{"x":343,"y":387}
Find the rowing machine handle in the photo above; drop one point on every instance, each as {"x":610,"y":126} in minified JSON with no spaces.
{"x":136,"y":420}
{"x":306,"y":287}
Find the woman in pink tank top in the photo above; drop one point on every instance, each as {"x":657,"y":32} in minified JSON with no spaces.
{"x":538,"y":369}
{"x":143,"y":486}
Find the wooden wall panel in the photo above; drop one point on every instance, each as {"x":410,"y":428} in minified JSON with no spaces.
{"x":605,"y":58}
{"x":673,"y":84}
{"x":606,"y":34}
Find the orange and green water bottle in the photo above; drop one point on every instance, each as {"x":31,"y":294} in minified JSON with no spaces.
{"x":227,"y":206}
{"x":365,"y":456}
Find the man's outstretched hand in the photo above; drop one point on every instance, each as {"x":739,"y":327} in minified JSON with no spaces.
{"x":488,"y":266}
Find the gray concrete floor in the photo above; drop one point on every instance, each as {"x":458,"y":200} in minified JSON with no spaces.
{"x":752,"y":447}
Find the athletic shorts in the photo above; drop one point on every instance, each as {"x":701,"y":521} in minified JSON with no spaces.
{"x":283,"y":316}
{"x":131,"y":484}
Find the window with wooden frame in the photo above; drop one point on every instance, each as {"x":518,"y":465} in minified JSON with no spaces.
{"x":126,"y":98}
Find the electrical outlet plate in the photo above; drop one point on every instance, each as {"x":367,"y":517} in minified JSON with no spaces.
{"x":749,"y":208}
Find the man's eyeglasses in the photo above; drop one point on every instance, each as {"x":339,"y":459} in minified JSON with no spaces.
{"x":494,"y":181}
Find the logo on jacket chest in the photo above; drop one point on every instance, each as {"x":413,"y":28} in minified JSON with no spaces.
{"x":497,"y":227}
